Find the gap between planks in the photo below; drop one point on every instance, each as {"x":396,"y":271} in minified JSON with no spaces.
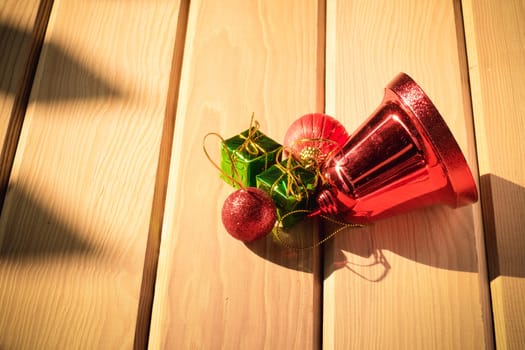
{"x":149,"y":275}
{"x":464,"y":34}
{"x":23,"y":93}
{"x":319,"y":268}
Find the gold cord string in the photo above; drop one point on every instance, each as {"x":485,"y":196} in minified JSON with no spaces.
{"x":234,"y":170}
{"x":344,"y":226}
{"x":250,"y":145}
{"x":294,"y":184}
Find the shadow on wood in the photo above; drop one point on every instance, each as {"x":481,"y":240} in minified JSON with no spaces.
{"x":54,"y":238}
{"x":436,"y":236}
{"x":272,"y":248}
{"x":503,"y":204}
{"x":73,"y":80}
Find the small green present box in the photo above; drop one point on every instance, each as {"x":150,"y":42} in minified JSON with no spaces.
{"x":252,"y":152}
{"x":291,"y":190}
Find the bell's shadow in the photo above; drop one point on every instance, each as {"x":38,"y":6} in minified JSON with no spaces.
{"x":292,"y":248}
{"x":437,"y":236}
{"x":71,"y":79}
{"x":433,"y":236}
{"x":503,"y":204}
{"x":31,"y":232}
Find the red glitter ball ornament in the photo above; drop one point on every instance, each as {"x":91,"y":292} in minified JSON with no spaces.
{"x":248,"y":214}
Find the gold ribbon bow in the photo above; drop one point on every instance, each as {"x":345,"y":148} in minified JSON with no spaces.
{"x":250,"y":144}
{"x":294,"y":184}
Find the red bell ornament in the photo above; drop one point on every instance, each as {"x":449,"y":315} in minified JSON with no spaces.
{"x":401,"y":158}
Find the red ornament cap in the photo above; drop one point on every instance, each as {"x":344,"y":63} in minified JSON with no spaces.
{"x":314,"y":137}
{"x":248,"y":214}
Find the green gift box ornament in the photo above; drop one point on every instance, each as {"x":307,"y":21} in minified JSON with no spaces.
{"x":291,"y":188}
{"x":247,"y":154}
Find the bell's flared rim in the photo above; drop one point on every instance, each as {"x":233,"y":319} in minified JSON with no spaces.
{"x":458,"y":173}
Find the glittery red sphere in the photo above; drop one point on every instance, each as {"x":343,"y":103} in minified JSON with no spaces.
{"x":248,"y":214}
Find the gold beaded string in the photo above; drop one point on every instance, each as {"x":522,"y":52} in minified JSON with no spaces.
{"x":343,"y":226}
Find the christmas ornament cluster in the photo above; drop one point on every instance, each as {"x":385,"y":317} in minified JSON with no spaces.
{"x":403,"y":157}
{"x":276,"y":183}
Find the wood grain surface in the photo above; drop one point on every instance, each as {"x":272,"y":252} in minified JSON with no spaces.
{"x":149,"y":274}
{"x":22,"y":29}
{"x":16,"y":26}
{"x":214,"y":291}
{"x":496,"y":53}
{"x":75,"y":220}
{"x":412,"y":281}
{"x":111,"y":234}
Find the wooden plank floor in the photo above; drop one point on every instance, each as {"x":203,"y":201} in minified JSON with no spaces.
{"x":75,"y":220}
{"x":110,"y":231}
{"x":423,"y":289}
{"x":213,"y":291}
{"x":496,"y":50}
{"x":16,"y":25}
{"x":22,"y":28}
